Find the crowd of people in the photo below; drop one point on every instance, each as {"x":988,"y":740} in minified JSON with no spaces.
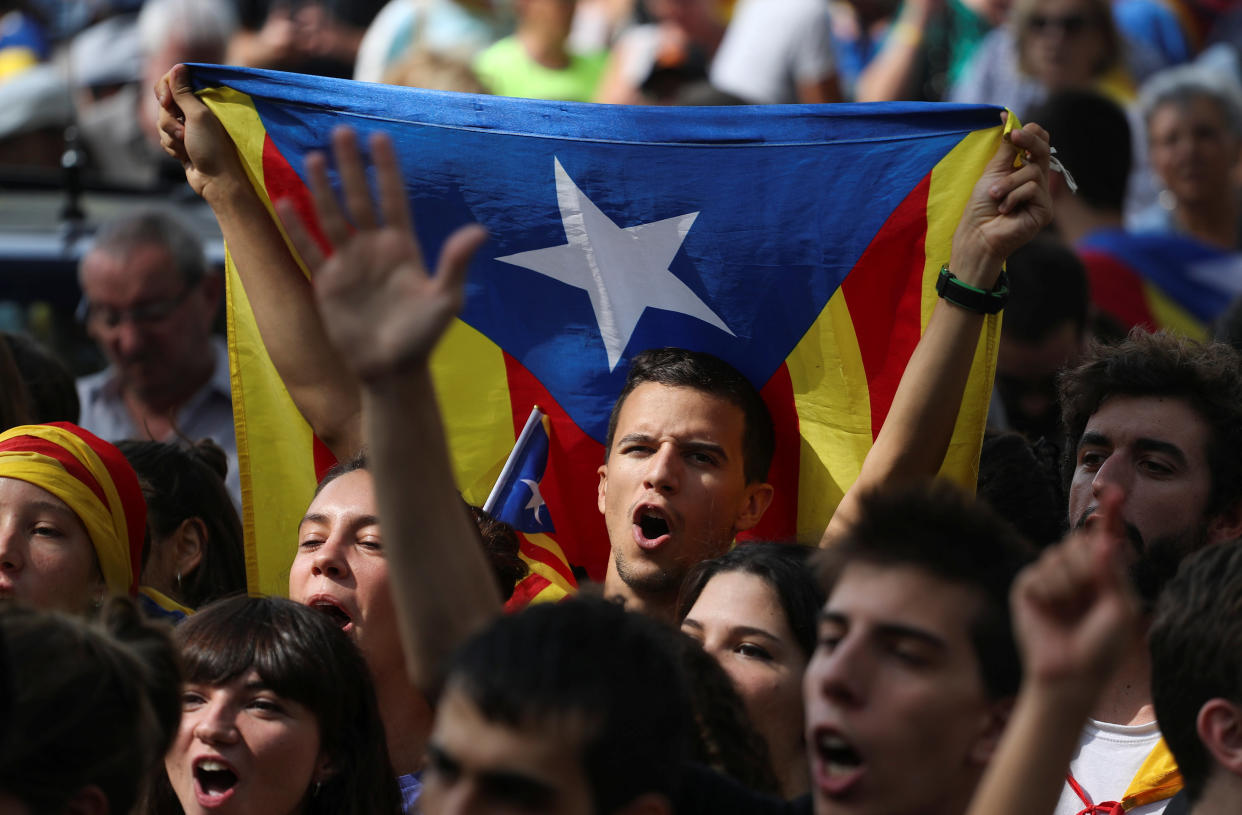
{"x":1067,"y":642}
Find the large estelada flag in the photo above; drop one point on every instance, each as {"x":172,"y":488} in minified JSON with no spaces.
{"x":1160,"y":281}
{"x":799,"y":243}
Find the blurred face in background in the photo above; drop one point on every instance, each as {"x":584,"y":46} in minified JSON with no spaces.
{"x":1063,"y":43}
{"x":1193,"y":150}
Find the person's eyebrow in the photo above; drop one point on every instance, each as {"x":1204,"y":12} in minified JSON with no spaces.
{"x":515,"y":788}
{"x":354,"y":523}
{"x":1169,"y":449}
{"x":48,"y":506}
{"x":691,"y":446}
{"x":1094,"y":437}
{"x":888,"y":630}
{"x":736,"y":630}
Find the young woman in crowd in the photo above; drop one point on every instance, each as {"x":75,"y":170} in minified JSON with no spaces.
{"x":195,"y":554}
{"x":755,"y":610}
{"x":72,"y":518}
{"x":278,"y":716}
{"x":87,"y":710}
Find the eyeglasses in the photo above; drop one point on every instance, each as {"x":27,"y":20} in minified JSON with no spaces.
{"x":1070,"y":24}
{"x":143,"y":314}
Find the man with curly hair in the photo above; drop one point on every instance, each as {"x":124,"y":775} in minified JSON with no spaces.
{"x":1160,"y":418}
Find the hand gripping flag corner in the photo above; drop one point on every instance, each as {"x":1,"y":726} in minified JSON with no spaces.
{"x":799,"y":243}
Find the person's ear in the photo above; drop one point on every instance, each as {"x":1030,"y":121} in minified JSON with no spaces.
{"x":991,"y":728}
{"x":90,"y":800}
{"x":1227,"y":525}
{"x":649,"y":803}
{"x":191,"y":545}
{"x":602,"y":488}
{"x":1219,"y":725}
{"x":758,"y":499}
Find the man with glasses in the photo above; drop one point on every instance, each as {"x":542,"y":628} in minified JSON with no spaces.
{"x":149,"y":301}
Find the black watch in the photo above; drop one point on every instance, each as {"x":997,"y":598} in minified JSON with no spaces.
{"x":971,"y":297}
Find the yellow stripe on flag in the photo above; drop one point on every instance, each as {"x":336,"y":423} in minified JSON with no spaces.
{"x":1172,"y":317}
{"x":951,"y":183}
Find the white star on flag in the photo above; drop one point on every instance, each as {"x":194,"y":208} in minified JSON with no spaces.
{"x":624,"y":271}
{"x":536,"y":501}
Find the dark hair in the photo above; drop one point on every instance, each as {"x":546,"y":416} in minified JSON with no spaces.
{"x":589,"y":661}
{"x":1047,"y":288}
{"x":1227,"y":328}
{"x":302,"y":656}
{"x":939,"y":529}
{"x":1196,"y":653}
{"x":182,"y":483}
{"x":723,"y":738}
{"x":1022,"y":482}
{"x":1075,"y":119}
{"x":50,"y":388}
{"x":783,"y":566}
{"x":679,"y":368}
{"x":90,"y":704}
{"x":1207,"y":375}
{"x":501,"y":545}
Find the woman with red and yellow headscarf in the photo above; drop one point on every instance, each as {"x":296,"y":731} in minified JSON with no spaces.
{"x":72,"y":518}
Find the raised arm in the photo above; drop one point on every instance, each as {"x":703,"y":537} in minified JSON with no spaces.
{"x":1074,"y":615}
{"x":1007,"y":207}
{"x":385,"y":313}
{"x":318,"y":381}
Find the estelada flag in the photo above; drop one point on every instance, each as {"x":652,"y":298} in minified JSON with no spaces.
{"x":517,"y":499}
{"x":799,"y":243}
{"x":1160,"y":281}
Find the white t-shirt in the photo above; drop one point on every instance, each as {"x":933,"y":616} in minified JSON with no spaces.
{"x":771,"y":46}
{"x":1107,"y":759}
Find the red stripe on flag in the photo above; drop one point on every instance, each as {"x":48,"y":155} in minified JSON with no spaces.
{"x":1117,"y":289}
{"x":884,"y":295}
{"x":527,"y":589}
{"x":281,"y":181}
{"x":781,"y":519}
{"x":569,"y":485}
{"x":324,"y":460}
{"x":537,"y":553}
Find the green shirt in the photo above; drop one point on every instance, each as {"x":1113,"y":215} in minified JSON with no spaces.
{"x":506,"y":70}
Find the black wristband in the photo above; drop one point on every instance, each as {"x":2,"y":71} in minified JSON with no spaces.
{"x":972,"y":298}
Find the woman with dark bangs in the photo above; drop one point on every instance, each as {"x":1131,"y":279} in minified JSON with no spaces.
{"x":755,"y":609}
{"x":278,"y":717}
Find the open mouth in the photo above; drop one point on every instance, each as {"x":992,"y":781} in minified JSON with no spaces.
{"x":333,"y":611}
{"x":651,"y":527}
{"x":215,"y":780}
{"x":838,"y":766}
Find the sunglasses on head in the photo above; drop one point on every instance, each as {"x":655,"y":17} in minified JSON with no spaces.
{"x":1071,"y":24}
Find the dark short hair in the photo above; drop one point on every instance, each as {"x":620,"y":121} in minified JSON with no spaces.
{"x":1047,"y":288}
{"x":50,"y":388}
{"x":1074,"y":120}
{"x":89,"y":704}
{"x":1207,"y":375}
{"x":588,"y":660}
{"x":1021,"y":481}
{"x":1196,"y":652}
{"x":180,"y":483}
{"x":783,"y":566}
{"x":679,"y":368}
{"x":937,"y":528}
{"x":300,"y":655}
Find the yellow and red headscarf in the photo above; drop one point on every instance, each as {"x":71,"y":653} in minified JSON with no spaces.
{"x":95,"y":480}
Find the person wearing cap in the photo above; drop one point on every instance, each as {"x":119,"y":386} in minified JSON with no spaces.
{"x":72,"y":519}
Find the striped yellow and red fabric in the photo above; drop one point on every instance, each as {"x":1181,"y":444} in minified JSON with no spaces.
{"x":93,"y":478}
{"x":799,"y":243}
